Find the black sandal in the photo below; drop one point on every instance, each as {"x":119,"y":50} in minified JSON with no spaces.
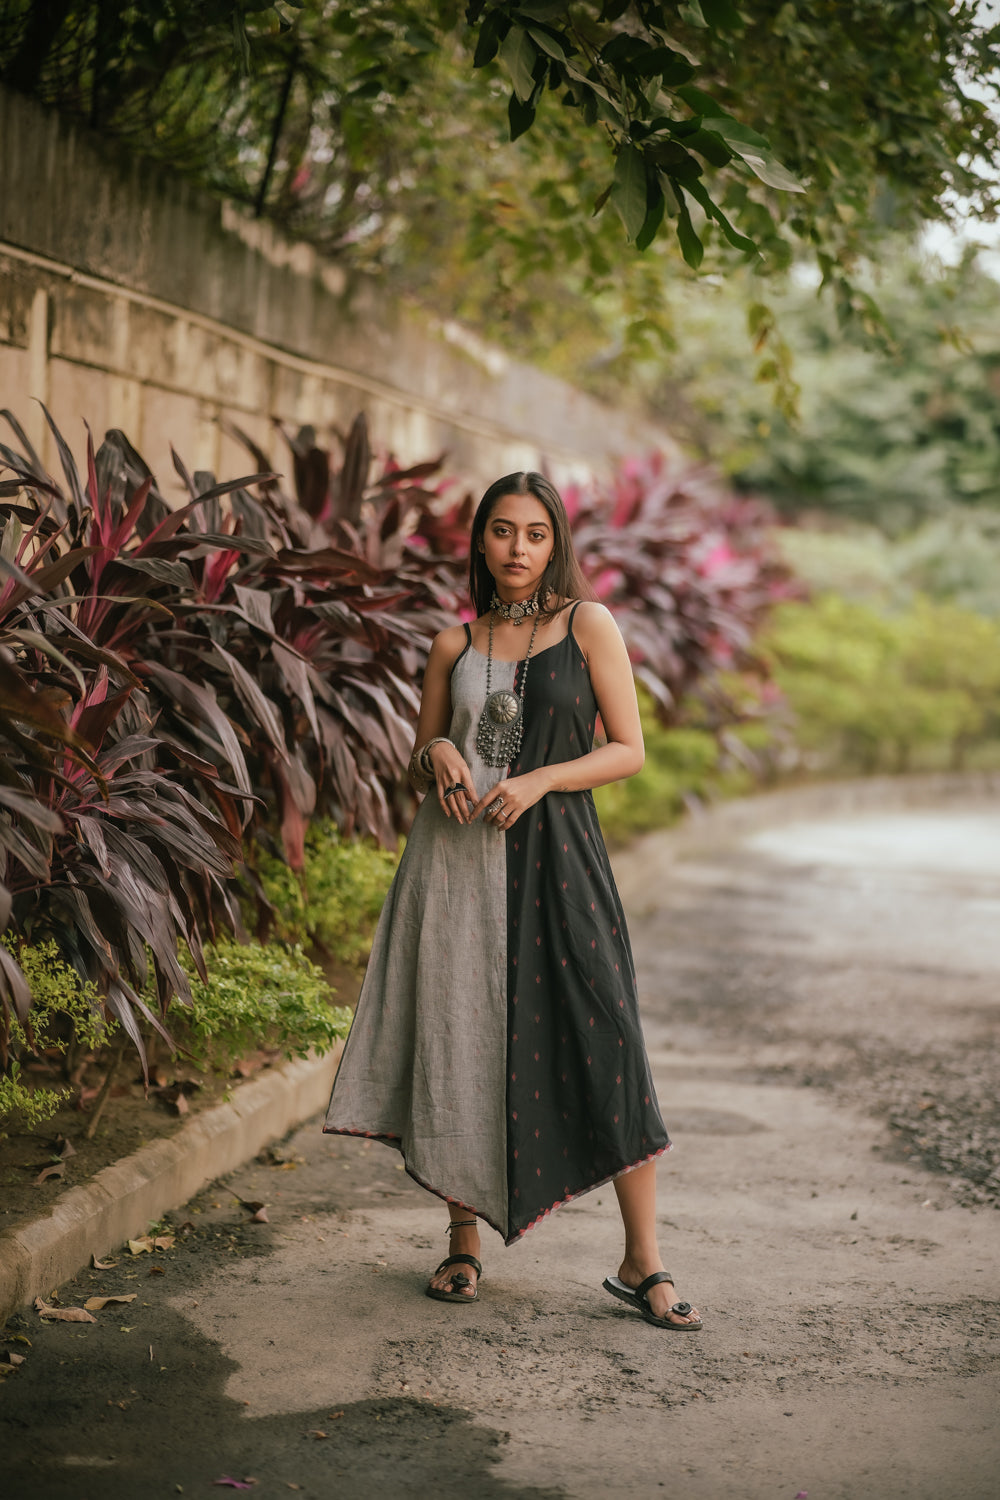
{"x":637,"y":1297}
{"x":459,"y":1280}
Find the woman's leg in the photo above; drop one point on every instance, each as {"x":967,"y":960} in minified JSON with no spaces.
{"x":636,"y":1192}
{"x":464,"y":1240}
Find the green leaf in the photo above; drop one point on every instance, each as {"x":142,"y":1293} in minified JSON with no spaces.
{"x":692,"y":14}
{"x":698,"y":101}
{"x":692,"y":248}
{"x":722,"y":15}
{"x":628,"y":192}
{"x":710,"y":146}
{"x":602,"y":199}
{"x":739,"y":241}
{"x":520,"y":116}
{"x":654,"y":217}
{"x":755,"y":151}
{"x":489,"y":39}
{"x":663,"y":63}
{"x":542,"y":10}
{"x":518,"y":56}
{"x":549,"y":44}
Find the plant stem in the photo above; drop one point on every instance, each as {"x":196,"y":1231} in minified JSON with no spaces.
{"x":103,"y":1096}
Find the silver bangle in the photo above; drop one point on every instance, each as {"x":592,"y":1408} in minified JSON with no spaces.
{"x":421,"y":765}
{"x":426,"y":764}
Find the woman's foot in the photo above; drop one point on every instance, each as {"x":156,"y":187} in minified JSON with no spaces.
{"x":659,"y":1298}
{"x":464,"y":1240}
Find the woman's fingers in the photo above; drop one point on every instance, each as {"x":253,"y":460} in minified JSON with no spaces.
{"x":499,"y":807}
{"x":455,"y":792}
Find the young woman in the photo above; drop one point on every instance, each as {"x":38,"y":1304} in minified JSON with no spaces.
{"x":497,"y":1042}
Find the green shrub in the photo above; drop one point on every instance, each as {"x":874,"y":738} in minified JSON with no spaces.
{"x":65,"y":1014}
{"x":872,"y":691}
{"x":257,"y":995}
{"x":336,"y":901}
{"x":684,"y":765}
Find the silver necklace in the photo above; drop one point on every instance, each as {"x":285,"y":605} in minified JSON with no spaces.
{"x":501,"y":723}
{"x":517,"y":609}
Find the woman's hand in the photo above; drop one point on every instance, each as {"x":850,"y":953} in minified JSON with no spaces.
{"x":508,"y":799}
{"x":456,"y":790}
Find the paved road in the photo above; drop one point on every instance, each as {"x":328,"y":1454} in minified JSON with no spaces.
{"x":813,"y":995}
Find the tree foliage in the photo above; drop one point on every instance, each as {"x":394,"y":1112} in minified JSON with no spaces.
{"x":895,"y":431}
{"x":380,"y":131}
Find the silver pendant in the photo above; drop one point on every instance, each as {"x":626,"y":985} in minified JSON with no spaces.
{"x":503,"y":707}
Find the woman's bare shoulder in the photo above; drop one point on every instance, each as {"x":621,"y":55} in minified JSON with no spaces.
{"x":593,"y":623}
{"x":448,"y":645}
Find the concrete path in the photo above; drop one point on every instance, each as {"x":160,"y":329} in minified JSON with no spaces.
{"x":798,"y":983}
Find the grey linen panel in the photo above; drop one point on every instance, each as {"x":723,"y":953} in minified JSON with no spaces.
{"x":425,"y":1063}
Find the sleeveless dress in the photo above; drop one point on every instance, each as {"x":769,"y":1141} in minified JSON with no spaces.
{"x":496,"y":1042}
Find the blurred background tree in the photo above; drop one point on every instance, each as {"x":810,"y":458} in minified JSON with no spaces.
{"x":766,"y":132}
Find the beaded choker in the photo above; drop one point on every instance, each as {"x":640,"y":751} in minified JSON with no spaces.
{"x":501,"y":723}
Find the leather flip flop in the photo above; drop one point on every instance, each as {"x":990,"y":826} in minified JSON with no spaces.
{"x":459,"y":1279}
{"x":636,"y":1297}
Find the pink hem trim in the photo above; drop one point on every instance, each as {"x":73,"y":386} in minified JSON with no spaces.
{"x":395,"y":1142}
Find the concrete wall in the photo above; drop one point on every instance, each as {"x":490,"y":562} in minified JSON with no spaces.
{"x":129,"y":299}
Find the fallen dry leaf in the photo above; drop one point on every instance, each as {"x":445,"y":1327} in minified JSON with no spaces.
{"x":314,"y":1432}
{"x":53,"y":1171}
{"x":174,"y":1099}
{"x":64,"y":1148}
{"x":12,"y":1358}
{"x":235,"y":1484}
{"x":94,"y":1304}
{"x":63,"y":1314}
{"x":102,"y":1265}
{"x":149,"y":1243}
{"x":156,"y":1271}
{"x":260,"y":1217}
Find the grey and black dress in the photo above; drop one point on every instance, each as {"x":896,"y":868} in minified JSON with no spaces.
{"x":497,"y":1042}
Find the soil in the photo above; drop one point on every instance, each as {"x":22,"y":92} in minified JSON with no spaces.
{"x":807,"y":992}
{"x":133,"y":1116}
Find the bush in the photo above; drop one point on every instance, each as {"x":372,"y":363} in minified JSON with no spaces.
{"x":336,"y":900}
{"x":871,"y":691}
{"x":683,"y":767}
{"x":257,"y":996}
{"x":66,"y":1019}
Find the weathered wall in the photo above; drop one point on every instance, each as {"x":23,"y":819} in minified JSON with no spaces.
{"x":129,"y":299}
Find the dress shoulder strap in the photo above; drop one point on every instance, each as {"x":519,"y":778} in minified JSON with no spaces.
{"x":573,"y":611}
{"x":466,"y":648}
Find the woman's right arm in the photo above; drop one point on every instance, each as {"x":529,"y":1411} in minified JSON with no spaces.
{"x":434,"y":721}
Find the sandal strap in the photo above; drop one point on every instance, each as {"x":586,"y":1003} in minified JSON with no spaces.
{"x":651,"y":1281}
{"x":462,"y":1224}
{"x":460,"y":1260}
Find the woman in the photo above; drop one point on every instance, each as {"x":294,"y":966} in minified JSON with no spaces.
{"x":497,"y":1042}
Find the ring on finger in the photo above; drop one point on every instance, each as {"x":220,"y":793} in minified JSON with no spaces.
{"x":451,"y":790}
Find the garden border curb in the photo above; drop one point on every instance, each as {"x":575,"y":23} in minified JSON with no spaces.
{"x":122,"y":1199}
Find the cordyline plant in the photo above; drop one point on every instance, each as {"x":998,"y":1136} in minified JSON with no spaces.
{"x":178,"y":686}
{"x":689,"y":570}
{"x":174,"y":680}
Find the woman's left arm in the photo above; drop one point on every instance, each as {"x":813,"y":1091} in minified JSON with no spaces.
{"x":599,"y":638}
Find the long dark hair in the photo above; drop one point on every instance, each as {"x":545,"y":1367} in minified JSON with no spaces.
{"x":562,"y":576}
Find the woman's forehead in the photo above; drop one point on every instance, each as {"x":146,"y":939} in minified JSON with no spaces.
{"x":523,"y":510}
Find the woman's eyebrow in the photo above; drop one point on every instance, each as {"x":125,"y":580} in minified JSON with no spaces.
{"x":532,"y":525}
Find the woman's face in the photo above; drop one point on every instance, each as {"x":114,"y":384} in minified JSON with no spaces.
{"x":517,"y":544}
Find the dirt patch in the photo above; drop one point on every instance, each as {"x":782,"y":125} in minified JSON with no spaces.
{"x":132,"y":1117}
